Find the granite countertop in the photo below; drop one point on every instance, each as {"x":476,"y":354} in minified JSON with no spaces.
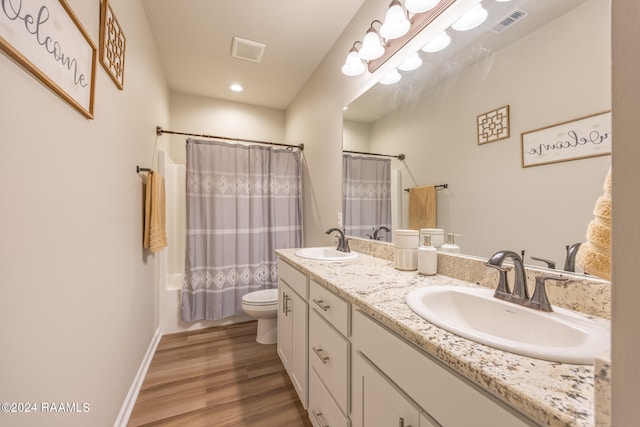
{"x":555,"y":394}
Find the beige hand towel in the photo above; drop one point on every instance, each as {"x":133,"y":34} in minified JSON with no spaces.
{"x":594,"y":256}
{"x":422,"y":207}
{"x":155,"y":228}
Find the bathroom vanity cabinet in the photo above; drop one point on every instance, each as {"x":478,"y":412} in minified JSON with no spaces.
{"x":362,"y":373}
{"x":293,"y":312}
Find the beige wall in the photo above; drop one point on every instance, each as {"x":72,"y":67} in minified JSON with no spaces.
{"x":494,"y":202}
{"x":77,"y":305}
{"x":202,"y":115}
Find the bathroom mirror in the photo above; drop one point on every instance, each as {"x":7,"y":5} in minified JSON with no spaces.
{"x":549,"y":62}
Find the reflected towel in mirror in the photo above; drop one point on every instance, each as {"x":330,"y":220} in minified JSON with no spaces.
{"x":422,"y":207}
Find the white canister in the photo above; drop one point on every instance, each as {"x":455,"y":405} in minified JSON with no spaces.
{"x":437,"y":236}
{"x":406,"y":239}
{"x":405,"y":258}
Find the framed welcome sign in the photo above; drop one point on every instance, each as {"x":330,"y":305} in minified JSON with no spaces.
{"x":581,"y":138}
{"x":45,"y":37}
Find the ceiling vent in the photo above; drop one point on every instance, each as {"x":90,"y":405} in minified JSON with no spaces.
{"x":509,"y":20}
{"x":247,"y":50}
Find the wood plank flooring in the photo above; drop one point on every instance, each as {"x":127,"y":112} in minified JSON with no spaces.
{"x":217,"y":377}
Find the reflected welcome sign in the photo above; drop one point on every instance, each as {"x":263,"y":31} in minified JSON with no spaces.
{"x":582,"y":138}
{"x":45,"y":37}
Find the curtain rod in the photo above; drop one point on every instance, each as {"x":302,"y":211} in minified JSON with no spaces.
{"x":160,"y":131}
{"x":399,"y":156}
{"x":439,"y":186}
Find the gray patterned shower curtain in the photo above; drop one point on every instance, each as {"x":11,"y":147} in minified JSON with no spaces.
{"x":366,"y":195}
{"x":243,"y":203}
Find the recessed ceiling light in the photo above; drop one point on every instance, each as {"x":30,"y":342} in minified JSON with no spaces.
{"x":236,"y":87}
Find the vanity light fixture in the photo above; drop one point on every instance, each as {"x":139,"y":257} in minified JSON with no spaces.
{"x":411,"y":63}
{"x":353,"y":66}
{"x":391,"y":78}
{"x":396,"y":24}
{"x":419,"y":6}
{"x":471,"y":19}
{"x":372,"y":47}
{"x":438,"y":43}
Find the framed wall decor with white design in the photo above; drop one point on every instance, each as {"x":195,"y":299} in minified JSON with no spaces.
{"x":581,"y":138}
{"x":493,"y":125}
{"x":112,"y":45}
{"x":46,"y":38}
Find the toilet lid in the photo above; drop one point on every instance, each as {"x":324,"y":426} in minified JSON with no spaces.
{"x":264,"y":297}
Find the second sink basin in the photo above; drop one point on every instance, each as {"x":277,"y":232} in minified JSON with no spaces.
{"x":325,"y":254}
{"x":473,"y":313}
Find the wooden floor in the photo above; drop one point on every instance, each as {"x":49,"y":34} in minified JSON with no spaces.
{"x":217,"y":377}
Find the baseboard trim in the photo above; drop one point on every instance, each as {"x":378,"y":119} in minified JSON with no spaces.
{"x":134,"y":390}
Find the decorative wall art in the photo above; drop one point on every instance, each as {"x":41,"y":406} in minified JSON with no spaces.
{"x":585,"y":137}
{"x":46,"y":38}
{"x":112,"y":45}
{"x":493,"y":125}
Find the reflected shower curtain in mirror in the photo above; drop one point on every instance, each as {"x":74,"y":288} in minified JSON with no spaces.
{"x":366,"y":196}
{"x":243,"y":203}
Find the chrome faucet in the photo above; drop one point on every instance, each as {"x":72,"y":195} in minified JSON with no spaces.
{"x":343,"y":243}
{"x":570,"y":262}
{"x":377,"y":230}
{"x":503,"y":291}
{"x":520,"y":294}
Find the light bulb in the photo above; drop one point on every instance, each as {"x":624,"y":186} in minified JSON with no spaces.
{"x":395,"y":23}
{"x":419,"y":6}
{"x":391,"y":78}
{"x":438,"y":43}
{"x":411,"y":63}
{"x":471,"y":19}
{"x":353,"y":66}
{"x":371,"y":46}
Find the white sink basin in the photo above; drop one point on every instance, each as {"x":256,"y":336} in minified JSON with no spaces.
{"x":473,"y":313}
{"x":325,"y":254}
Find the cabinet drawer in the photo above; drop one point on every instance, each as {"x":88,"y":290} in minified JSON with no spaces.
{"x":294,"y":278}
{"x":329,"y":356}
{"x":323,"y":411}
{"x":330,"y":306}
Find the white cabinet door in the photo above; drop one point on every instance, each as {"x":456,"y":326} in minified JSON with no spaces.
{"x":376,"y":401}
{"x":292,"y":338}
{"x":284,"y":324}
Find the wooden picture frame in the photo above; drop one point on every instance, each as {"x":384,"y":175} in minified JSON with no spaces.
{"x":493,"y":125}
{"x":113,"y":45}
{"x":46,"y":38}
{"x":581,"y":138}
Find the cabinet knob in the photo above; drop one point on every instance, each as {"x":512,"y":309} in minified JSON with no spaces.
{"x":318,"y":416}
{"x":320,"y":303}
{"x":318,"y":352}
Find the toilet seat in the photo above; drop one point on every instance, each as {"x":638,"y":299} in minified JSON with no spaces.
{"x":261,"y":298}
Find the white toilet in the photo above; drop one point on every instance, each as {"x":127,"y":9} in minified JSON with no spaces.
{"x":263,"y":305}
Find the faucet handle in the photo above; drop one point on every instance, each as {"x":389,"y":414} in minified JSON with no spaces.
{"x":502,"y":290}
{"x":539,"y":299}
{"x":550,"y":264}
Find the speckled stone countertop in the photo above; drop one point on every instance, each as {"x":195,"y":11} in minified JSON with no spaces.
{"x":555,"y":394}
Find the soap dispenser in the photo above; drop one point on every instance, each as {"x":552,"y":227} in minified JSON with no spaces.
{"x":451,"y":245}
{"x":427,"y":258}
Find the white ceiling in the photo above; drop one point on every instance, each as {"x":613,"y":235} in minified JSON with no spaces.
{"x":193,"y":38}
